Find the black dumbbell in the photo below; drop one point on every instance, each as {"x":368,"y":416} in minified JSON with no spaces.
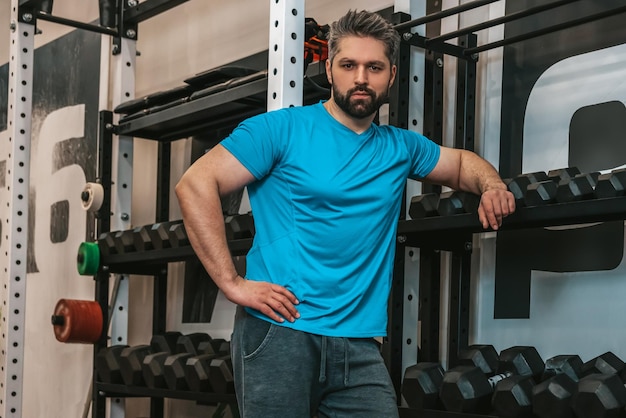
{"x":141,"y":236}
{"x":611,"y":184}
{"x":107,"y":364}
{"x":174,"y":365}
{"x":420,"y":385}
{"x":163,"y":345}
{"x":422,"y":382}
{"x":599,"y":396}
{"x":124,"y":241}
{"x":158,"y":234}
{"x":457,"y":202}
{"x":552,"y":396}
{"x":601,"y":392}
{"x":221,"y":375}
{"x":424,"y":205}
{"x":178,"y":235}
{"x":545,"y":192}
{"x":518,"y":185}
{"x":203,"y":375}
{"x":467,"y":389}
{"x":106,"y":243}
{"x":131,"y":359}
{"x":579,"y":187}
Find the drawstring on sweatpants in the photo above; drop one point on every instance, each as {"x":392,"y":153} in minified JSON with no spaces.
{"x":323,"y":360}
{"x":346,"y":360}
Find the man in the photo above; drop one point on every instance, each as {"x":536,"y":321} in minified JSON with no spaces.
{"x":325,"y":186}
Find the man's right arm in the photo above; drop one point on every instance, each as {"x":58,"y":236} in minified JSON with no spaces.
{"x":215,"y":174}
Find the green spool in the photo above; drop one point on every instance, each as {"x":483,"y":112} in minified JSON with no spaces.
{"x":88,"y":258}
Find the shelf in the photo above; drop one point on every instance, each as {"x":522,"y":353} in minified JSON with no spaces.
{"x":148,"y":262}
{"x":223,"y":109}
{"x":123,"y":391}
{"x":439,"y":232}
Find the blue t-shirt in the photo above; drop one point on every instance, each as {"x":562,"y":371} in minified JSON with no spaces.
{"x":326,"y":204}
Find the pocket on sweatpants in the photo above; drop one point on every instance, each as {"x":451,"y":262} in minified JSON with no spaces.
{"x":256,"y":335}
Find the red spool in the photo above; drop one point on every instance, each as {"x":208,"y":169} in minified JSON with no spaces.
{"x":77,"y":321}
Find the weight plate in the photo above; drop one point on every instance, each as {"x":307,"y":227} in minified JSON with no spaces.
{"x":88,"y":258}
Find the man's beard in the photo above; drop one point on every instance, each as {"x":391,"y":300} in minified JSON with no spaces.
{"x":359,"y":108}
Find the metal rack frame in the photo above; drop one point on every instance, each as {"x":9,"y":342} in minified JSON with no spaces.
{"x":425,"y":234}
{"x":455,"y":234}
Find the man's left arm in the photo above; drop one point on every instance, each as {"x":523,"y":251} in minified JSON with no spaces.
{"x":466,"y":171}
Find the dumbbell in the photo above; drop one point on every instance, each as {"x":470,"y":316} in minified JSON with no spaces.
{"x":421,"y":382}
{"x":551,"y":398}
{"x":518,"y":185}
{"x":467,"y":389}
{"x":446,"y":204}
{"x":131,"y":359}
{"x":580,"y":187}
{"x":601,"y":392}
{"x":205,"y":375}
{"x":545,"y":192}
{"x":424,"y":205}
{"x":519,"y":396}
{"x":107,"y":364}
{"x":174,"y":365}
{"x":153,"y":365}
{"x":611,"y":184}
{"x":599,"y":396}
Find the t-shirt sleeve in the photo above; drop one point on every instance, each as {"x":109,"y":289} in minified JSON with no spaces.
{"x":254,"y":143}
{"x":424,"y":154}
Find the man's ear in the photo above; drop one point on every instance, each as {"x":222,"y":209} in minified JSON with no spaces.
{"x":394,"y":69}
{"x":329,"y":76}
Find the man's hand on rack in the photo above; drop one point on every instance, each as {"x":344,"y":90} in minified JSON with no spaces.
{"x":495,"y":204}
{"x":272,"y":300}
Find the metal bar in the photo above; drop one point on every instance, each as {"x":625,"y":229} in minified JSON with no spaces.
{"x":460,"y":275}
{"x":398,"y":116}
{"x":73,"y":23}
{"x":466,"y":98}
{"x":105,"y":153}
{"x":286,"y":54}
{"x":14,"y":212}
{"x":429,"y":304}
{"x":443,"y":47}
{"x":444,"y":13}
{"x":495,"y":22}
{"x":545,"y":31}
{"x":163,"y":182}
{"x":147,"y":9}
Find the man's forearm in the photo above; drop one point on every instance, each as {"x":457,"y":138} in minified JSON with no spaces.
{"x":204,"y":223}
{"x":477,"y":175}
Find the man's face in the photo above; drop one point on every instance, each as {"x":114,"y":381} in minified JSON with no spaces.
{"x":360,"y":75}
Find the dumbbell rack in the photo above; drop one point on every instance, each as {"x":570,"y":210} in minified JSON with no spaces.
{"x":443,"y":232}
{"x":123,"y":391}
{"x":216,"y":112}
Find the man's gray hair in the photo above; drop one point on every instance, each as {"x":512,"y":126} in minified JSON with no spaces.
{"x":364,"y":24}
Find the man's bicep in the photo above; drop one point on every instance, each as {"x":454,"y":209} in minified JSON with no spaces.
{"x":228,"y":172}
{"x":446,"y":171}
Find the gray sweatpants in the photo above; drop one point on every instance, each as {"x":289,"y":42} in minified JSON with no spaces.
{"x":283,"y":373}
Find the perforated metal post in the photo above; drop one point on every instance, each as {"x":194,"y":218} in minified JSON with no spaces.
{"x":14,"y":212}
{"x":286,"y":54}
{"x":123,"y":65}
